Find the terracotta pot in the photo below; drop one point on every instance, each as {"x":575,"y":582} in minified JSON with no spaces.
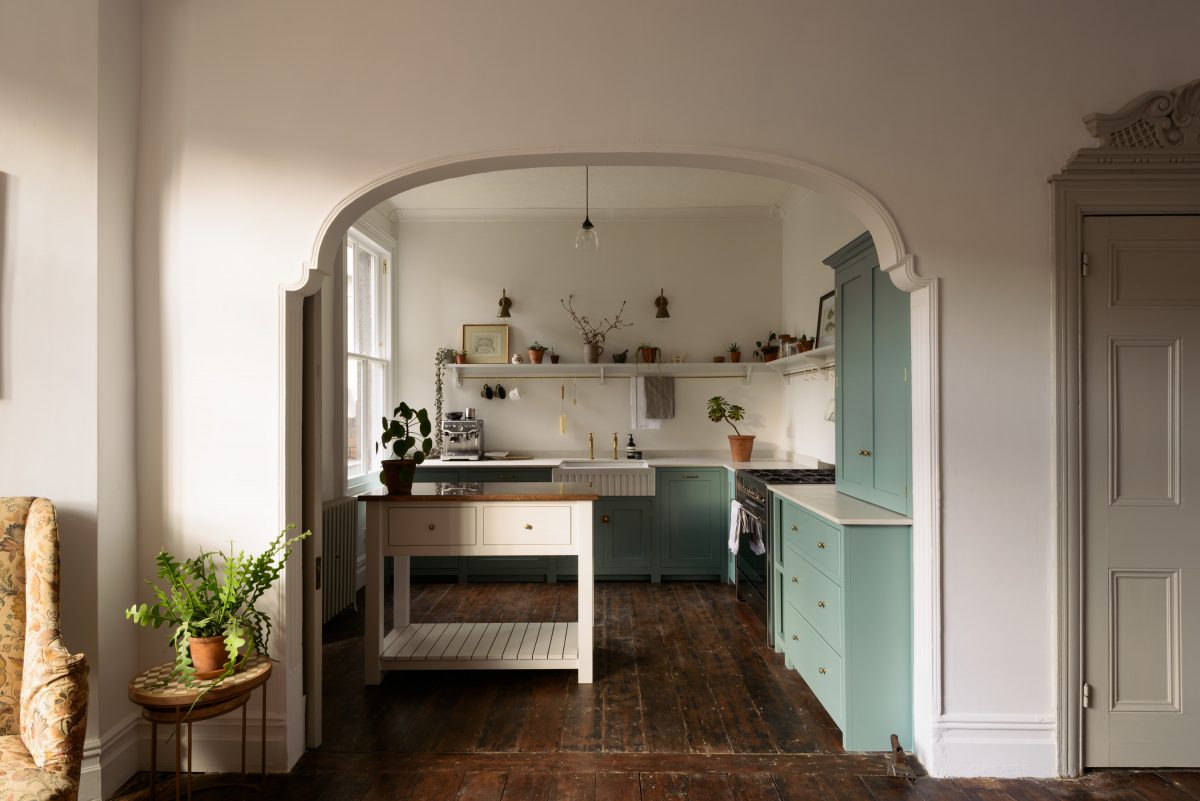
{"x":648,"y":355}
{"x":718,"y":359}
{"x":804,"y":345}
{"x":741,"y":446}
{"x":397,"y":475}
{"x":770,"y":354}
{"x":208,"y":656}
{"x":535,"y":356}
{"x":735,"y":356}
{"x":460,"y":358}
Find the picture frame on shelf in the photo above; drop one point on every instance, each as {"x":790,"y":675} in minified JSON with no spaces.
{"x":827,"y":319}
{"x":485,"y":343}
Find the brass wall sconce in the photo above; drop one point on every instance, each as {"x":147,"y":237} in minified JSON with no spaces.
{"x":505,"y":304}
{"x":661,"y":303}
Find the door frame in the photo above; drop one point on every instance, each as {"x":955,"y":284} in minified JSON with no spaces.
{"x":1160,"y":176}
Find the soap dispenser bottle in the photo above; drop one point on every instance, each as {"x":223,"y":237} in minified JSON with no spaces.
{"x":630,"y":449}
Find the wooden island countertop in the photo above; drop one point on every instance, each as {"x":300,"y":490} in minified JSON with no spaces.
{"x":470,"y":491}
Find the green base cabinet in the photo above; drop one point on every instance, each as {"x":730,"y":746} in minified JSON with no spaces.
{"x":874,"y":398}
{"x":693,"y":518}
{"x":843,"y":619}
{"x":623,"y":539}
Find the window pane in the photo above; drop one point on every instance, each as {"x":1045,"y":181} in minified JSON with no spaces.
{"x":355,"y":465}
{"x":363,"y":338}
{"x":351,"y":294}
{"x":372,"y":429}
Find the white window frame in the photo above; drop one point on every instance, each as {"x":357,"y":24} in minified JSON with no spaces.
{"x":359,"y":238}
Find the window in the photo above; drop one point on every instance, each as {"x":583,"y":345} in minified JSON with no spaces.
{"x":368,"y":351}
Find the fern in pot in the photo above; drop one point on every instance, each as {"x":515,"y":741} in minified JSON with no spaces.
{"x":210,"y":601}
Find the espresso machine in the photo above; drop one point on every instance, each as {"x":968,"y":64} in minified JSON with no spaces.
{"x":462,"y":436}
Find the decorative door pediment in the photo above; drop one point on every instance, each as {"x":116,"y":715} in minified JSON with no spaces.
{"x":1156,"y":131}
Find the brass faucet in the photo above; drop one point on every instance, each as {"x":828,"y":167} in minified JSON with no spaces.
{"x":614,"y":446}
{"x":591,"y":445}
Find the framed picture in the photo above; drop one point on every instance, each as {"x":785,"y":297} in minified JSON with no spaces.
{"x":486,"y":343}
{"x":827,"y":320}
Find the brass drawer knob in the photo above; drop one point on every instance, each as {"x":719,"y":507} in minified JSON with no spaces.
{"x":820,"y":604}
{"x":822,"y":671}
{"x":528,"y":526}
{"x":795,"y":636}
{"x":432,"y":526}
{"x":795,"y":580}
{"x":795,"y":527}
{"x":820,"y":545}
{"x":603,"y":518}
{"x":864,"y":453}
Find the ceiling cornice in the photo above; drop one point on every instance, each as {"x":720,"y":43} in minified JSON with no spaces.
{"x":607,"y":215}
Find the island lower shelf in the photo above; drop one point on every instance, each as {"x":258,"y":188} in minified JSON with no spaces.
{"x":482,"y":646}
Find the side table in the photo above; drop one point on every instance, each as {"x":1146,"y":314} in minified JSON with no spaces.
{"x":167,"y":700}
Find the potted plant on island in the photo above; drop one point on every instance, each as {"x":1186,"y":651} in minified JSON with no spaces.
{"x":735,"y":352}
{"x":213,"y":608}
{"x":593,"y":333}
{"x":537,"y":351}
{"x":400,"y":435}
{"x":741,"y":446}
{"x":769,"y":350}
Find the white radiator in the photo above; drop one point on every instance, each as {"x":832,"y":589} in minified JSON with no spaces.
{"x":339,"y":560}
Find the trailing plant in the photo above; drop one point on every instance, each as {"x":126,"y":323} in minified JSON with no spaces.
{"x":402,"y":431}
{"x":594,"y":333}
{"x":204,"y":598}
{"x":440,"y":357}
{"x":720,"y":409}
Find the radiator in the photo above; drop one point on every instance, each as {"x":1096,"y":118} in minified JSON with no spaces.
{"x":339,"y":560}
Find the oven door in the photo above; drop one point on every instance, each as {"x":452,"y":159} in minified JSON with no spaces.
{"x":753,"y":581}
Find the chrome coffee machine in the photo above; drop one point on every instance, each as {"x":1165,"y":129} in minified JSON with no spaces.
{"x":462,"y":436}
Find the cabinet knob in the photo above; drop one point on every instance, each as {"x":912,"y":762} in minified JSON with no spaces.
{"x":795,"y":580}
{"x":432,"y":526}
{"x":528,"y":526}
{"x":604,"y":518}
{"x":795,"y":527}
{"x":864,"y":453}
{"x":820,"y":604}
{"x":822,"y":671}
{"x":795,"y":636}
{"x":820,"y":545}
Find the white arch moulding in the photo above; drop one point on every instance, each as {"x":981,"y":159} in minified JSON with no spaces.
{"x":897,"y":261}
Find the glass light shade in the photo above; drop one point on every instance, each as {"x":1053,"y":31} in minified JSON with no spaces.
{"x":587,"y":239}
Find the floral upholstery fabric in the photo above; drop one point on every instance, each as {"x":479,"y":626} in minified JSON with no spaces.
{"x":42,"y":757}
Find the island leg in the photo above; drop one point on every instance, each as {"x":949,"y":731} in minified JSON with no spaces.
{"x":373,"y":634}
{"x":401,"y":590}
{"x":587,"y":614}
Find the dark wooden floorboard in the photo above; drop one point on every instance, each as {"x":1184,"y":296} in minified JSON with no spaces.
{"x":1187,"y":782}
{"x":526,"y":785}
{"x":754,"y":786}
{"x":618,"y":787}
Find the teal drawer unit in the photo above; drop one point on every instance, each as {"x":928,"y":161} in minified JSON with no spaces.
{"x":843,"y":619}
{"x":692,"y":519}
{"x":874,"y":398}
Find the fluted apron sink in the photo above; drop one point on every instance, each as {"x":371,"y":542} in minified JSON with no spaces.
{"x":608,"y":477}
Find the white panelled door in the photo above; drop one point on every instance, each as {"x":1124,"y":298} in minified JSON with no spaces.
{"x":1141,"y":490}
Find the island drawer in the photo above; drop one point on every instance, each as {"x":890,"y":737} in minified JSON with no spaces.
{"x":813,"y":537}
{"x":431,"y":525}
{"x":513,"y":524}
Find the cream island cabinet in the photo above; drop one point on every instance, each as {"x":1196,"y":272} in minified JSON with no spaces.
{"x":532,"y":519}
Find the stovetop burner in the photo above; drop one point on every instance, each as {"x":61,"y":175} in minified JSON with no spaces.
{"x":785,"y":476}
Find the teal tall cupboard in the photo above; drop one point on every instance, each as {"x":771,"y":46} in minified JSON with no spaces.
{"x":874,"y":400}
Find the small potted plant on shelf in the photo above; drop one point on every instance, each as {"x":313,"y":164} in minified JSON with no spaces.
{"x":769,"y":350}
{"x":213,"y":609}
{"x":647,"y":353}
{"x":460,"y":357}
{"x":536,"y":352}
{"x":804,"y":344}
{"x":735,"y":352}
{"x":741,"y":446}
{"x":553,"y":356}
{"x":407,"y":436}
{"x":594,"y":334}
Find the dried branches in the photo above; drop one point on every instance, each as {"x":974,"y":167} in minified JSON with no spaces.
{"x":594,"y":333}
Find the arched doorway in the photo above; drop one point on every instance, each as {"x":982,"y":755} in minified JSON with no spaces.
{"x":897,"y":261}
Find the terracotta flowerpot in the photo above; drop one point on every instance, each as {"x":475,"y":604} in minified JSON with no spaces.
{"x":397,"y":475}
{"x":718,"y":359}
{"x":741,"y":446}
{"x":735,"y":356}
{"x":648,"y":355}
{"x":804,"y":345}
{"x":460,"y":358}
{"x":208,"y":656}
{"x":535,"y":356}
{"x":770,"y":354}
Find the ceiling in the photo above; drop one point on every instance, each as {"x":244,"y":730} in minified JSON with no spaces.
{"x":558,"y":188}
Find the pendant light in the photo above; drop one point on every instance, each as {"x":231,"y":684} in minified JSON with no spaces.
{"x":587,"y":239}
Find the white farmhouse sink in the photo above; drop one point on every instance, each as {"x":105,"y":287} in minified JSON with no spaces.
{"x":607,"y":477}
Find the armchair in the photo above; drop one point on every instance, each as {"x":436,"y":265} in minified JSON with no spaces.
{"x":43,"y":687}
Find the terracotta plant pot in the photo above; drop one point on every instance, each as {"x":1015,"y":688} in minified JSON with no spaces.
{"x":648,"y":355}
{"x":397,"y":475}
{"x":718,"y":359}
{"x":735,"y":356}
{"x":741,"y":446}
{"x":460,"y":358}
{"x":770,"y":354}
{"x":208,"y":656}
{"x":535,"y":356}
{"x":804,"y":345}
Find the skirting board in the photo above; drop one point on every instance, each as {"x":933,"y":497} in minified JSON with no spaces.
{"x":1002,"y":746}
{"x":218,"y":744}
{"x":109,"y":760}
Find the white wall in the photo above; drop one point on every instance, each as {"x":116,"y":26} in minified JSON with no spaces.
{"x":720,"y":276}
{"x":813,"y":227}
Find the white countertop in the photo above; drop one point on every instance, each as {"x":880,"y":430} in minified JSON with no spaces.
{"x":708,"y":460}
{"x":826,"y":501}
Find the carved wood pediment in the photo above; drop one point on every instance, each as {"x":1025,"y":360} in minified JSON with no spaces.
{"x":1156,"y":131}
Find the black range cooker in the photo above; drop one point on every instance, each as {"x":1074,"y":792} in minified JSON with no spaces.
{"x":754,"y":573}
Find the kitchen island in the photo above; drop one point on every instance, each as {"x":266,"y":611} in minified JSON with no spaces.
{"x":476,"y":519}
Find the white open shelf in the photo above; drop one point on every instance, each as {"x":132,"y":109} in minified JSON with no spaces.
{"x":604,"y":371}
{"x":797,"y":363}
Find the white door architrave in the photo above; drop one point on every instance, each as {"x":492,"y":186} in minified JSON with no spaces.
{"x":1147,"y":163}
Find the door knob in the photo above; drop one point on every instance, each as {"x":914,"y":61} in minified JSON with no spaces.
{"x":432,"y":526}
{"x":821,"y":670}
{"x":795,"y":580}
{"x":528,"y":526}
{"x":603,"y":518}
{"x":864,"y":453}
{"x":795,"y":527}
{"x":795,"y":636}
{"x":820,"y":604}
{"x":820,"y":545}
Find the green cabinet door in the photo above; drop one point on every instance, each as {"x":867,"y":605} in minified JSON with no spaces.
{"x":892,"y":407}
{"x":855,"y":383}
{"x":624,"y":535}
{"x":691,"y":521}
